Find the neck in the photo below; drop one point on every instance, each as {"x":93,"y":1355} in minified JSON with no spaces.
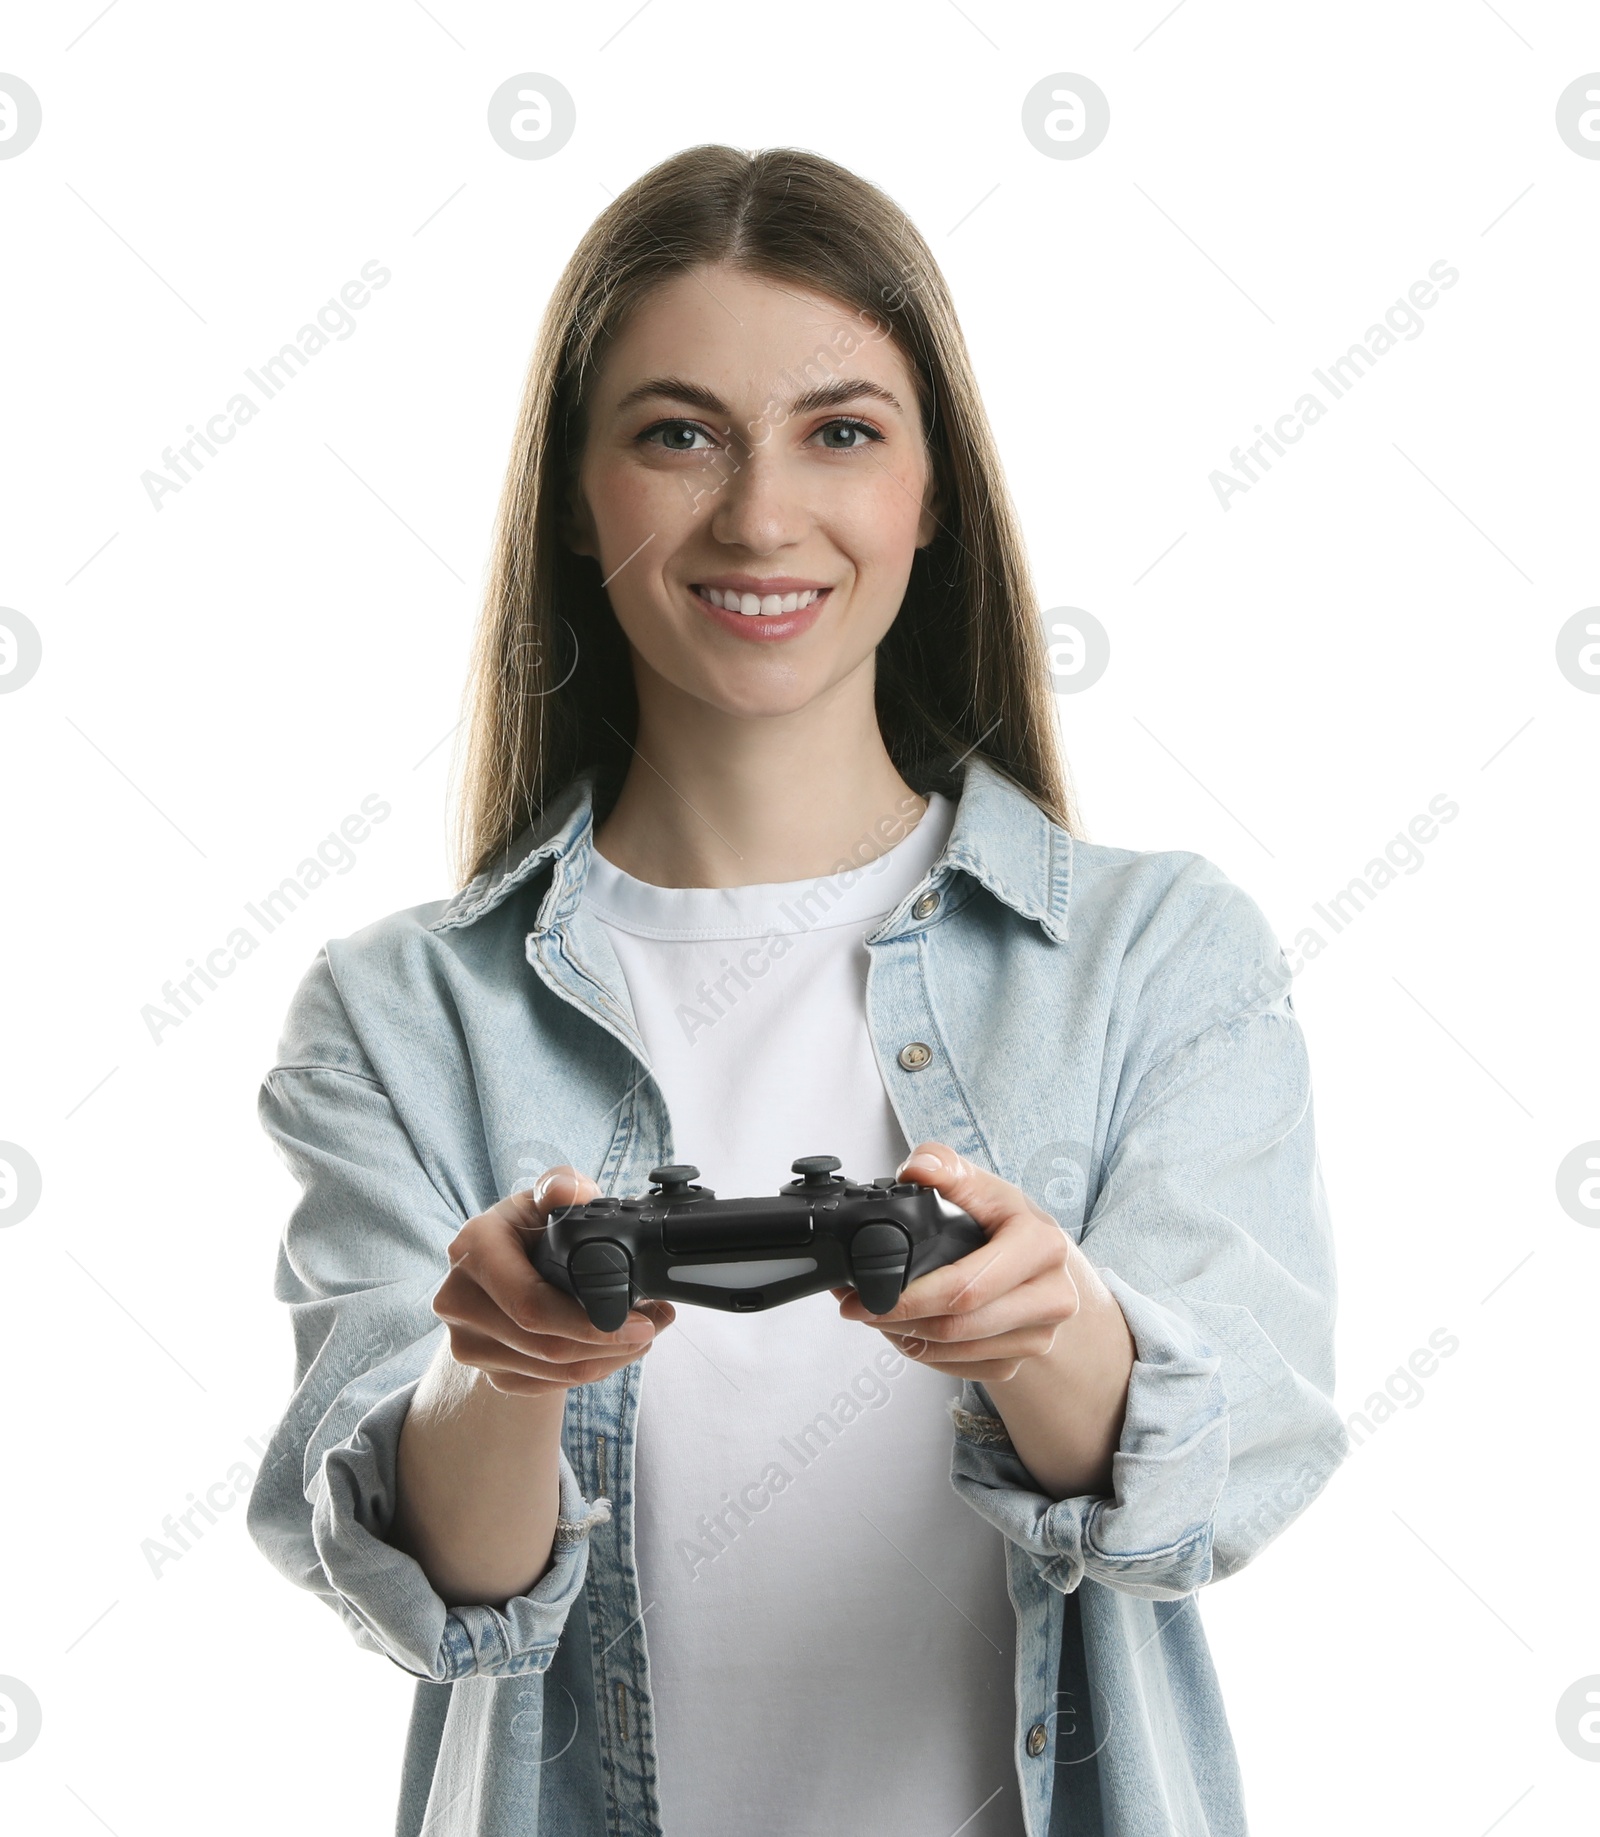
{"x":719,"y":799}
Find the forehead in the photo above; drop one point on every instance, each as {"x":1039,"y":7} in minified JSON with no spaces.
{"x":743,"y":335}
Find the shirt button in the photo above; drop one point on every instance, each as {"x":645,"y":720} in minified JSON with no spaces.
{"x":926,"y":906}
{"x":1036,"y":1741}
{"x":915,"y":1056}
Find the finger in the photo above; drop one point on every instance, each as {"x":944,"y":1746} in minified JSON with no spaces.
{"x":981,"y":1195}
{"x":496,"y":1360}
{"x":1030,"y":1342}
{"x":553,"y":1326}
{"x":529,"y":1207}
{"x":463,"y":1306}
{"x":1050,"y":1301}
{"x":1022,"y":1251}
{"x":491,"y":1250}
{"x":564,"y":1185}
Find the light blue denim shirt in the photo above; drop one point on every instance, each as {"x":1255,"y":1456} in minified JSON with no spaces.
{"x":1110,"y":1030}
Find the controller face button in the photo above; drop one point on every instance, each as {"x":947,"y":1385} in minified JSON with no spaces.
{"x":605,"y":1203}
{"x":915,"y":1056}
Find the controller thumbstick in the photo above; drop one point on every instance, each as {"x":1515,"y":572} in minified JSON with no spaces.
{"x":674,"y":1180}
{"x":879,"y":1257}
{"x":816,"y":1170}
{"x":600,"y":1272}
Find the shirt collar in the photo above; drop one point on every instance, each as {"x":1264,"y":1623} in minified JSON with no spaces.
{"x":1000,"y":837}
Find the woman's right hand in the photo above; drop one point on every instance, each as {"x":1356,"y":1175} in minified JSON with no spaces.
{"x":524,"y":1334}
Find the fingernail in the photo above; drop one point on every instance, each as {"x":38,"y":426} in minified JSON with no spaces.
{"x":929,"y":1164}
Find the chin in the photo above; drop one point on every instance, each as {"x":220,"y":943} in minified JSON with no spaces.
{"x":773,"y":694}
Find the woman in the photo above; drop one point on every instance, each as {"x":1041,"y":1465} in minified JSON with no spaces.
{"x":767,"y":853}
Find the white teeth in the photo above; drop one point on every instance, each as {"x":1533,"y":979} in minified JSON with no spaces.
{"x":752,"y":605}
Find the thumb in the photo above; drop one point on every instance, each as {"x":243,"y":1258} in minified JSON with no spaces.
{"x":983,"y":1196}
{"x":529,"y":1207}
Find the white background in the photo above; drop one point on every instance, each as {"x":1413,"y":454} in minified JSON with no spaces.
{"x":1372,"y":624}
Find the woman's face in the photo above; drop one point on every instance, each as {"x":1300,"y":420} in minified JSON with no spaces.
{"x":761,"y":447}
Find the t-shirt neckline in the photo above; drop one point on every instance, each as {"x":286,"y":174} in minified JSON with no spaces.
{"x":850,"y":897}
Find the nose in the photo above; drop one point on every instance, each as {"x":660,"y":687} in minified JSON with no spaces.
{"x":758,"y":507}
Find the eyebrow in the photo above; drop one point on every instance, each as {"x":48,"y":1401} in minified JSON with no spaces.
{"x":825,"y":395}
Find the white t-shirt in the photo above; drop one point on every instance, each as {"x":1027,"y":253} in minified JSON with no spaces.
{"x":830,"y":1638}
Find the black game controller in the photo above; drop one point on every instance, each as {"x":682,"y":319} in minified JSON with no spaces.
{"x":680,"y":1242}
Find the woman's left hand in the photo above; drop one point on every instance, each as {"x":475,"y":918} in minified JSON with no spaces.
{"x":984,"y":1315}
{"x":1028,"y":1317}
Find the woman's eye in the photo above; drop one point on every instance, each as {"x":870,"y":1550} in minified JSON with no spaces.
{"x":860,"y":435}
{"x":676,"y":436}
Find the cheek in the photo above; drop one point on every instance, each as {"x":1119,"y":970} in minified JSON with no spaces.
{"x":878,"y":518}
{"x":630,"y":504}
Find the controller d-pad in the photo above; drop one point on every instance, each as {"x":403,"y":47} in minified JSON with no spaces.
{"x":601,"y":1274}
{"x":879,"y":1255}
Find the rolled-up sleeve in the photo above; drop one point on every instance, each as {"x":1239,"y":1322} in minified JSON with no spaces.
{"x":362,"y":1256}
{"x":1211,"y":1228}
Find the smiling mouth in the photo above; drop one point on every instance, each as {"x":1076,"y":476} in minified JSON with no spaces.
{"x":759,"y":605}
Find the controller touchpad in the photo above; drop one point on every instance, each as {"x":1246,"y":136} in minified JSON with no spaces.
{"x":753,"y":1225}
{"x":741,"y":1275}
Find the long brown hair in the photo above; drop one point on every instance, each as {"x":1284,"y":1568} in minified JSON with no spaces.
{"x":961,"y":671}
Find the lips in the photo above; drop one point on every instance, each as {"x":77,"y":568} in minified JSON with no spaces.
{"x":759,"y":605}
{"x":786,"y":611}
